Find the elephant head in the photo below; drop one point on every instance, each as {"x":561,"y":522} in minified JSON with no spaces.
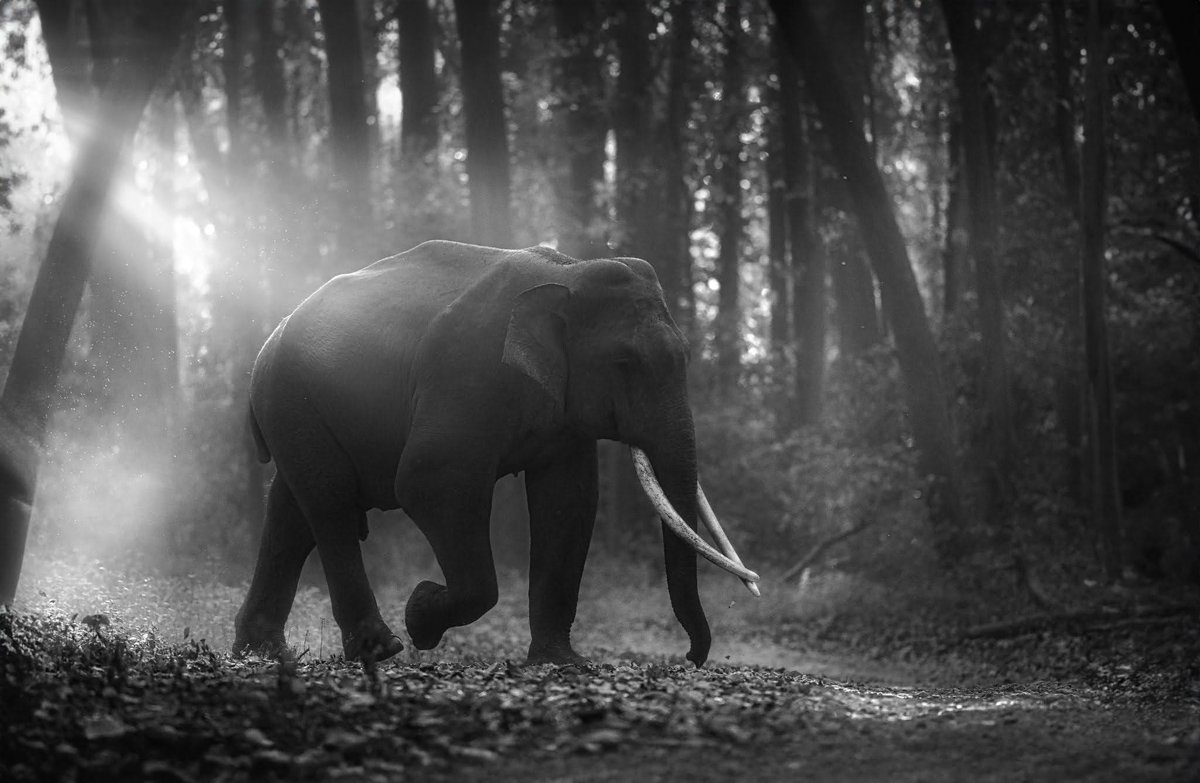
{"x":612,"y":363}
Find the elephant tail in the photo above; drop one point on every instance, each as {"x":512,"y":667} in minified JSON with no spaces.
{"x":260,"y":443}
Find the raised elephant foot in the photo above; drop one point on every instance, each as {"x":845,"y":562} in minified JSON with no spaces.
{"x":371,"y":641}
{"x":420,"y":616}
{"x":561,"y":654}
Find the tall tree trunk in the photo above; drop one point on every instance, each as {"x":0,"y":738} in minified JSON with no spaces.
{"x":778,"y":277}
{"x":29,"y":390}
{"x":488,"y":174}
{"x":844,"y":22}
{"x":919,"y":363}
{"x":807,"y":255}
{"x":632,"y":127}
{"x":675,"y":263}
{"x":1069,"y":394}
{"x":1182,"y":19}
{"x":996,"y":377}
{"x":583,"y":128}
{"x":1102,"y":443}
{"x":418,"y":80}
{"x":953,"y":255}
{"x":727,"y":202}
{"x":349,"y":133}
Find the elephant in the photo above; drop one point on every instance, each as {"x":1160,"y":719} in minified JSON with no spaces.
{"x":418,"y":381}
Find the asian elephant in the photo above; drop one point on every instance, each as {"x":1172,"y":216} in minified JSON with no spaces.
{"x":417,"y":382}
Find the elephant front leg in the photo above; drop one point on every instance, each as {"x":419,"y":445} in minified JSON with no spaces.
{"x":562,"y":513}
{"x":451,"y":506}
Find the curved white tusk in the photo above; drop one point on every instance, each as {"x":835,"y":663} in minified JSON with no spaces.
{"x":671,"y":519}
{"x":718,"y":533}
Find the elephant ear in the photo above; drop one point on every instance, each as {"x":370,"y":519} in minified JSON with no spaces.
{"x":534,"y":341}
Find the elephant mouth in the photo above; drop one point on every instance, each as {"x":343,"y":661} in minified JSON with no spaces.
{"x":727,"y":558}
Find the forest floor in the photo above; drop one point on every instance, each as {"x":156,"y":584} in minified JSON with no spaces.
{"x":126,"y":676}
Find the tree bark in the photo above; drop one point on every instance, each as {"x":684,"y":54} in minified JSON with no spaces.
{"x":996,"y":377}
{"x":919,"y":362}
{"x":349,"y":133}
{"x":632,"y":126}
{"x":1182,"y":19}
{"x":583,"y":129}
{"x":844,"y":22}
{"x":418,"y":80}
{"x":29,"y":391}
{"x":727,"y":198}
{"x":488,"y":173}
{"x":956,"y":226}
{"x":674,"y":258}
{"x":807,"y":255}
{"x":1104,"y":486}
{"x":1069,"y":394}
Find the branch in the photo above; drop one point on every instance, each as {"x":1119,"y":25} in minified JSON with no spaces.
{"x":821,"y":547}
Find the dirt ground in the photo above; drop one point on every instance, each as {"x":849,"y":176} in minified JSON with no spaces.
{"x":783,"y":697}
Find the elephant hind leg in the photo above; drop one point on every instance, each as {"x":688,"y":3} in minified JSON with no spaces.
{"x":286,"y":543}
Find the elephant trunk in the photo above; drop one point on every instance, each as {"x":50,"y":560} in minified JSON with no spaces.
{"x":668,"y":473}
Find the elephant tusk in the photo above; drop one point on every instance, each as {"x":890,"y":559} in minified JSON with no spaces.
{"x":718,"y":533}
{"x":671,"y":518}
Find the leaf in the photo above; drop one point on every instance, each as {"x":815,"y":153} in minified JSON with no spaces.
{"x":104,"y":727}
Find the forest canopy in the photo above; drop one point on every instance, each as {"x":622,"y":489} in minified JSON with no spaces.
{"x":938,"y":262}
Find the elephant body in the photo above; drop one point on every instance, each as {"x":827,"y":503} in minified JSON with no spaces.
{"x":415,"y":383}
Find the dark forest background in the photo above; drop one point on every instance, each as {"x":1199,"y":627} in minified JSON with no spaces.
{"x":939,"y":262}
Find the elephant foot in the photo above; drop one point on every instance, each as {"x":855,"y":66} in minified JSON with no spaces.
{"x":559,"y":653}
{"x":371,"y":641}
{"x":420,"y":616}
{"x":257,"y":638}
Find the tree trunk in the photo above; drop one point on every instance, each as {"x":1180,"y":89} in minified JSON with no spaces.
{"x":1182,"y":19}
{"x":844,"y":23}
{"x":675,"y":261}
{"x":727,"y":203}
{"x":956,"y":226}
{"x":349,"y":133}
{"x":808,"y":265}
{"x":1069,"y":395}
{"x":996,"y":378}
{"x":486,"y":127}
{"x":632,"y":126}
{"x":418,"y":81}
{"x":919,"y":362}
{"x":583,"y":129}
{"x":29,"y":391}
{"x":778,"y":277}
{"x":1102,"y":458}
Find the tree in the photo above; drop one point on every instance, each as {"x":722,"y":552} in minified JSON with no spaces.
{"x":1069,"y":394}
{"x":857,"y":317}
{"x":727,"y":202}
{"x":919,"y":363}
{"x":672,"y":256}
{"x":1103,"y":484}
{"x":583,"y":128}
{"x":152,"y":35}
{"x":349,"y":133}
{"x":488,"y":175}
{"x":418,"y":80}
{"x":995,"y":378}
{"x":806,"y":253}
{"x":1183,"y":23}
